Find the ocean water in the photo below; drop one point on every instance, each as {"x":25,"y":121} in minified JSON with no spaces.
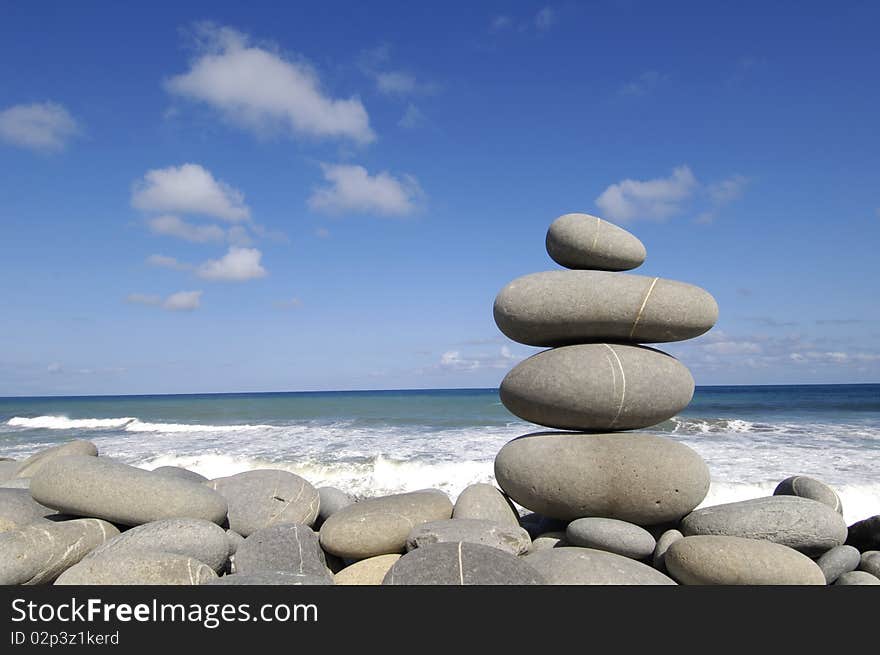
{"x":376,"y":442}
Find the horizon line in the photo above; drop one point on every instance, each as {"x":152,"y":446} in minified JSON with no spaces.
{"x":398,"y":390}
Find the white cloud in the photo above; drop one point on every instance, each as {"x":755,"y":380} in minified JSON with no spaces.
{"x":264,"y":91}
{"x":55,"y":367}
{"x":172,"y":226}
{"x":655,"y":199}
{"x":453,"y":360}
{"x":42,"y":126}
{"x":163,"y":261}
{"x":412,"y":117}
{"x":545,"y":19}
{"x":237,"y":265}
{"x":353,"y":189}
{"x":183,"y":301}
{"x":176,"y":302}
{"x":189,"y":189}
{"x":322,"y":233}
{"x":396,"y":82}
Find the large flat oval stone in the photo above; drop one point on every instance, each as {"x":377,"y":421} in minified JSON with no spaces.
{"x":40,"y":552}
{"x":510,"y":539}
{"x":29,"y":467}
{"x":102,"y":488}
{"x":597,"y":387}
{"x":558,"y":308}
{"x":640,"y":478}
{"x":273,"y":578}
{"x":258,"y":499}
{"x":196,"y":538}
{"x":718,"y":560}
{"x":138,"y":568}
{"x":586,"y":566}
{"x":380,"y":526}
{"x":584,"y":241}
{"x":461,"y":564}
{"x":805,"y":525}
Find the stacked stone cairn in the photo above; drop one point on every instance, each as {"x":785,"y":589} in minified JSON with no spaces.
{"x":608,"y":505}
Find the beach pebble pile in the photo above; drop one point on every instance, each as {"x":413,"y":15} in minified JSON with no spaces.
{"x":604,"y":504}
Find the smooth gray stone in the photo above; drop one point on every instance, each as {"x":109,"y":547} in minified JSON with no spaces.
{"x":38,"y":553}
{"x":291,"y":547}
{"x":138,"y":568}
{"x":484,"y":501}
{"x":635,"y":477}
{"x":122,"y":494}
{"x":235,"y":540}
{"x":597,"y":387}
{"x":870,"y":563}
{"x":857,"y":578}
{"x":380,"y":526}
{"x":18,"y":509}
{"x":180,"y":473}
{"x":258,"y":499}
{"x":663,"y":543}
{"x":611,"y":535}
{"x":461,"y":563}
{"x":548,"y":540}
{"x":865,"y":534}
{"x":196,"y":538}
{"x":8,"y":470}
{"x":806,"y":525}
{"x":559,"y":308}
{"x":16,"y":483}
{"x":720,"y":560}
{"x":587,"y":566}
{"x":510,"y":539}
{"x":837,"y":561}
{"x":29,"y":467}
{"x":805,"y":487}
{"x":582,"y":241}
{"x":273,"y":578}
{"x":332,"y":500}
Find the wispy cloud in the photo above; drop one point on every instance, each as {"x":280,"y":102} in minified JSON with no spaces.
{"x":500,"y":23}
{"x":643,"y":84}
{"x":290,"y":303}
{"x":177,"y":302}
{"x":352,"y":189}
{"x":163,"y":261}
{"x":41,"y":126}
{"x":173,"y":226}
{"x":376,"y":64}
{"x":769,"y":321}
{"x":454,"y":360}
{"x":237,"y":265}
{"x":189,"y":189}
{"x":545,"y":19}
{"x":661,"y":198}
{"x":412,"y":117}
{"x":266,"y":92}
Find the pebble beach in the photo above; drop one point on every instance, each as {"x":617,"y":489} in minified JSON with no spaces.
{"x":584,"y":488}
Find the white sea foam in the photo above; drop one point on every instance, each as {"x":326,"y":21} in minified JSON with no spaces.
{"x":127,"y":423}
{"x":64,"y":423}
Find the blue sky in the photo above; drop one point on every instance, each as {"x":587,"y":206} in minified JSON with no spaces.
{"x":231,"y":197}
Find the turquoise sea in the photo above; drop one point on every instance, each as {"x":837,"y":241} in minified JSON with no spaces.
{"x":371,"y":442}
